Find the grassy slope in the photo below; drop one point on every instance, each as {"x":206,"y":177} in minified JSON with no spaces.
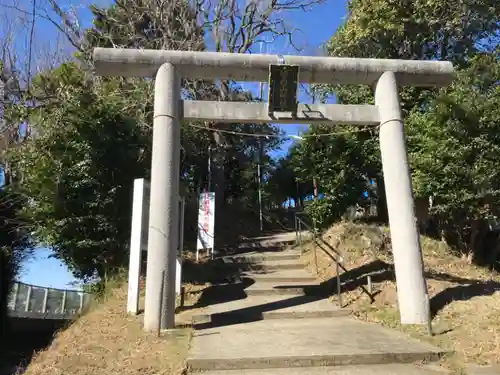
{"x":107,"y":341}
{"x":465,"y":299}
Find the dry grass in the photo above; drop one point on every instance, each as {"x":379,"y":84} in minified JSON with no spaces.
{"x":465,"y":297}
{"x":108,"y":341}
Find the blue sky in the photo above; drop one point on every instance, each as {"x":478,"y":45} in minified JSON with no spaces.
{"x":316,"y":25}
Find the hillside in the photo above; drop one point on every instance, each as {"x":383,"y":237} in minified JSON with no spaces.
{"x":107,"y":341}
{"x":465,"y":299}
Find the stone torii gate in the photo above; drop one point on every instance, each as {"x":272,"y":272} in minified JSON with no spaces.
{"x":169,"y":67}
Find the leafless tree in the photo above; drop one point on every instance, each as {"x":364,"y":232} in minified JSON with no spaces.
{"x":11,"y":90}
{"x":235,"y":26}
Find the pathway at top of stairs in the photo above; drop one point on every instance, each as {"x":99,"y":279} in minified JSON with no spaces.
{"x":280,"y":322}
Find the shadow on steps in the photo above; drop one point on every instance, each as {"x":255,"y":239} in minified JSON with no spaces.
{"x":236,"y":291}
{"x":253,"y":313}
{"x":350,"y":280}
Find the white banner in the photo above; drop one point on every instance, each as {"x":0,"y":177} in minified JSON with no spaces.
{"x":206,"y":221}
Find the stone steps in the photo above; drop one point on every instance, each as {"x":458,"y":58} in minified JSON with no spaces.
{"x":273,"y":344}
{"x":270,"y":265}
{"x":263,"y":263}
{"x":388,"y":369}
{"x":269,"y":288}
{"x":281,"y":276}
{"x":285,"y":327}
{"x":282,"y":239}
{"x":268,"y":307}
{"x":258,"y":256}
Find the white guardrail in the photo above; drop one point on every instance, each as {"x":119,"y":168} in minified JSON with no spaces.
{"x":31,"y":301}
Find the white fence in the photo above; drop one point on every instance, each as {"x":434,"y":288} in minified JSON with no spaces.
{"x":31,"y":301}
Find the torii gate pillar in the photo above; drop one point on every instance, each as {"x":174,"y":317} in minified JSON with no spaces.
{"x":159,"y":309}
{"x":413,"y":299}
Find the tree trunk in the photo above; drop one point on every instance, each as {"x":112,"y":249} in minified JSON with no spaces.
{"x":472,"y":246}
{"x":494,"y":255}
{"x":4,"y":291}
{"x":382,"y":213}
{"x":217,"y":167}
{"x":315,"y":185}
{"x":474,"y":230}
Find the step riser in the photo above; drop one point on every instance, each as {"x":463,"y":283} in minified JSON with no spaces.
{"x":310,"y":290}
{"x":243,"y":251}
{"x":279,"y":243}
{"x":206,"y":319}
{"x":307,"y":314}
{"x":276,"y":292}
{"x":199,"y":365}
{"x":386,"y":369}
{"x":284,"y":279}
{"x":266,"y":244}
{"x":273,"y":267}
{"x":260,"y":267}
{"x":264,"y":257}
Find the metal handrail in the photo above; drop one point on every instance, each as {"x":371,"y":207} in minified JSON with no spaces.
{"x":299,"y":223}
{"x":338,"y":259}
{"x":298,"y":232}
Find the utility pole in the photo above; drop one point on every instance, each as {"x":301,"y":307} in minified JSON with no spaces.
{"x":261,"y":84}
{"x":209,"y":185}
{"x":259,"y":173}
{"x":315,"y":179}
{"x":259,"y":177}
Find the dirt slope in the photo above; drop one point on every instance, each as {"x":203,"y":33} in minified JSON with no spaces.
{"x":107,"y":341}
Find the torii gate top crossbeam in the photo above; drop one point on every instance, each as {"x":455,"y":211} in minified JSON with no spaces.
{"x":255,"y":67}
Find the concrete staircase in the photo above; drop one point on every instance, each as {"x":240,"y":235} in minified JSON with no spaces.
{"x":284,"y":324}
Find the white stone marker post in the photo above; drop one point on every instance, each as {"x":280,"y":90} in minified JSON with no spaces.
{"x":180,"y":257}
{"x":385,"y":74}
{"x":136,"y":243}
{"x":139,"y":242}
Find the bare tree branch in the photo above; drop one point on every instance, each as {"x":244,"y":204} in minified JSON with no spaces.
{"x":30,"y":46}
{"x":235,"y":26}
